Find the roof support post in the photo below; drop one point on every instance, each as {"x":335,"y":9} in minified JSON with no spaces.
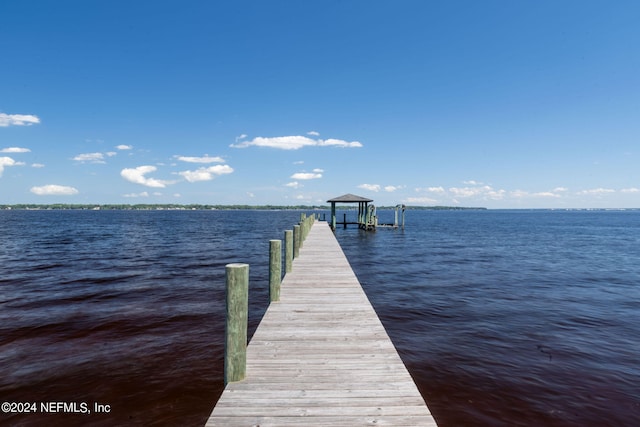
{"x":333,"y":215}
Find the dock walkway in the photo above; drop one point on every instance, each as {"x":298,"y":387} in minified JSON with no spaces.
{"x":320,"y":356}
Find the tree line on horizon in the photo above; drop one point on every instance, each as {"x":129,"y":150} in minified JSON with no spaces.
{"x":172,"y":206}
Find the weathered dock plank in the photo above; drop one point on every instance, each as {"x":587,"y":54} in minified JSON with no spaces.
{"x":321,"y":356}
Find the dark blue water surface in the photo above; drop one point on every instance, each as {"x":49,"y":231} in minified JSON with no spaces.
{"x":504,"y":318}
{"x":512,"y":318}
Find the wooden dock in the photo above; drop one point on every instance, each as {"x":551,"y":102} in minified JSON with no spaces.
{"x":320,"y":356}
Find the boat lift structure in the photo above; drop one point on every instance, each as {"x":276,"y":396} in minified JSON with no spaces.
{"x":367,"y":218}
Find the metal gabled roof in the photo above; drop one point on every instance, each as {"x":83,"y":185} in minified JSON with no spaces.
{"x":349,"y":198}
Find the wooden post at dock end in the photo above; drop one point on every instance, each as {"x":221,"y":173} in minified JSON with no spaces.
{"x":275,"y":269}
{"x":288,"y":251}
{"x":235,"y":352}
{"x":296,"y":241}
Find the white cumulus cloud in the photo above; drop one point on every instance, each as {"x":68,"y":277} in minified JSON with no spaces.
{"x":203,"y":159}
{"x":437,"y":190}
{"x":15,"y":150}
{"x":370,"y":187}
{"x":419,"y":200}
{"x":338,"y":143}
{"x":306,"y":175}
{"x":294,"y":142}
{"x":137,"y":176}
{"x":485,"y":191}
{"x":378,"y":187}
{"x":519,"y":193}
{"x":18,"y":120}
{"x":546,"y":194}
{"x":206,"y":174}
{"x":90,"y":158}
{"x":124,"y":147}
{"x":630,"y":190}
{"x":134,"y":195}
{"x":596,"y":191}
{"x":54,"y":190}
{"x":293,"y":184}
{"x":465,"y":191}
{"x":6,"y":161}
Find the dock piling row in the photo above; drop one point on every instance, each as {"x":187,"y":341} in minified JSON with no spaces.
{"x":237,"y":305}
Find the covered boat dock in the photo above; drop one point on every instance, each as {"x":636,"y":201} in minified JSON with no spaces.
{"x":365,"y":214}
{"x":367,"y":218}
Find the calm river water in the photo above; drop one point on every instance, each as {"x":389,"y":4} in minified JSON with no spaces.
{"x":504,"y":318}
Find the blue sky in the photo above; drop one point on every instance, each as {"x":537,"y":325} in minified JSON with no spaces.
{"x":501,"y":104}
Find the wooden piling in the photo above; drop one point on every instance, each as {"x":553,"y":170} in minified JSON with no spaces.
{"x":275,"y":269}
{"x":305,"y":224}
{"x":288,"y":251}
{"x":302,"y":224}
{"x":235,"y":355}
{"x":296,"y":241}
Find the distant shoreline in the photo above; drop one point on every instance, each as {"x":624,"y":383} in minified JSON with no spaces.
{"x":147,"y":207}
{"x":203,"y":207}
